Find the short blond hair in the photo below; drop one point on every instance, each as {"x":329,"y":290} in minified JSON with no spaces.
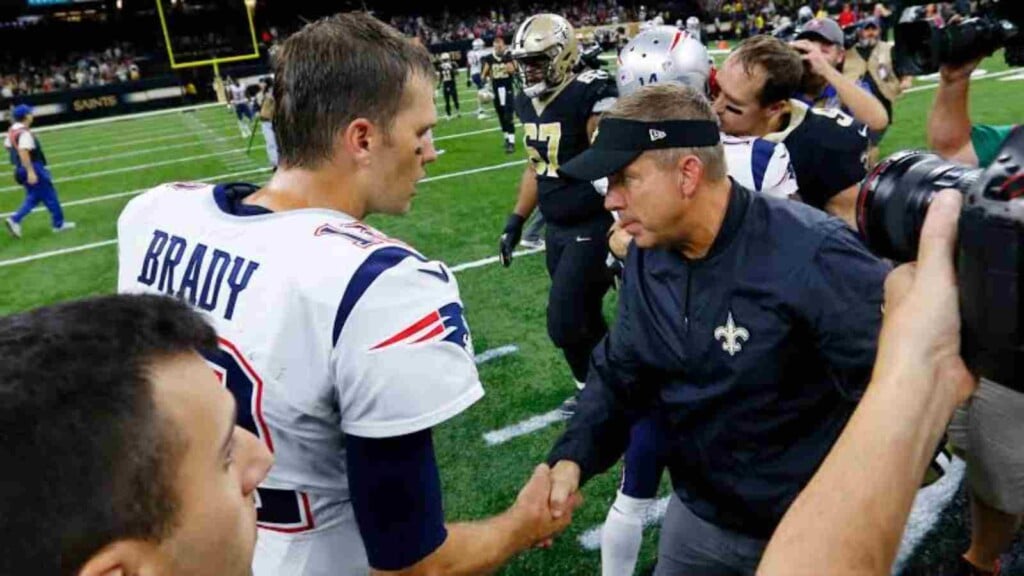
{"x":660,"y":102}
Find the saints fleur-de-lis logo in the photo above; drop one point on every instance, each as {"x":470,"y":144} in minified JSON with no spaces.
{"x":731,"y":335}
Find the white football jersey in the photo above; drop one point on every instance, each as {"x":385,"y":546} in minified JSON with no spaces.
{"x":476,"y":60}
{"x":760,"y":165}
{"x":237,"y":94}
{"x":327,"y":328}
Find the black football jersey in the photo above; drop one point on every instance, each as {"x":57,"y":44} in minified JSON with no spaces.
{"x":555,"y":131}
{"x":447,"y":72}
{"x":828,"y":149}
{"x":498,"y":68}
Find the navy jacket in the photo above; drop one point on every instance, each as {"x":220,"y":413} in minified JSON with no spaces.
{"x":754,"y":357}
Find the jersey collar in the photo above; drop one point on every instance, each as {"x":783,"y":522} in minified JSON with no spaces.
{"x":229,"y":199}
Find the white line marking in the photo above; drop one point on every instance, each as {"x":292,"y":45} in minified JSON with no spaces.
{"x":60,"y":252}
{"x":985,"y":77}
{"x":491,"y":260}
{"x":65,"y":145}
{"x":140,"y":115}
{"x":461,"y":134}
{"x":528,"y":426}
{"x":591,"y":539}
{"x":117,"y":195}
{"x":87,"y":150}
{"x":456,"y":269}
{"x":928,"y":506}
{"x":488,"y":355}
{"x":135,"y":153}
{"x":473,"y":171}
{"x":64,"y":179}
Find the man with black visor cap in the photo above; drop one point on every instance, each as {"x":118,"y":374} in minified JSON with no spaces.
{"x":747,"y":325}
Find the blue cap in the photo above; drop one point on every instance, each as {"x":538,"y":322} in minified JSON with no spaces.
{"x":20,"y":111}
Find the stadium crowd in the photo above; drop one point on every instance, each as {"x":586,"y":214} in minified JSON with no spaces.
{"x":51,"y":73}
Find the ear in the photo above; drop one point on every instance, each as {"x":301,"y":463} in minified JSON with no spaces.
{"x":780,"y":107}
{"x":357,"y":139}
{"x":690,"y":172}
{"x":125,"y":558}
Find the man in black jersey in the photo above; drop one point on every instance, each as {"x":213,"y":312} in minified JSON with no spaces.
{"x":559,"y":112}
{"x":451,"y":92}
{"x":828,"y":148}
{"x":499,"y":68}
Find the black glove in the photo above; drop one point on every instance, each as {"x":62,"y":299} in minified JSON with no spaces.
{"x":510,"y":238}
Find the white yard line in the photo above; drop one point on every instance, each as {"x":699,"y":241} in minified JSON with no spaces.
{"x":933,"y":86}
{"x":112,"y":135}
{"x":64,"y":179}
{"x":42,"y":255}
{"x":135,"y":153}
{"x":462,"y":134}
{"x":116,"y":195}
{"x":528,"y":426}
{"x":488,"y":355}
{"x":112,"y":119}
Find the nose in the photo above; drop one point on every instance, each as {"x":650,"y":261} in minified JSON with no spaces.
{"x":615,"y":199}
{"x":429,"y":152}
{"x":254,"y":459}
{"x":719,"y":104}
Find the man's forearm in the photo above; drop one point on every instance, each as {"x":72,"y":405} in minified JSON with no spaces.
{"x":862,"y":104}
{"x":949,"y":124}
{"x":26,"y":161}
{"x":851,"y":516}
{"x":472,"y":548}
{"x":527,"y":200}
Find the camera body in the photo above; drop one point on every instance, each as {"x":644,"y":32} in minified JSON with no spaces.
{"x":891,"y":208}
{"x":922,"y":46}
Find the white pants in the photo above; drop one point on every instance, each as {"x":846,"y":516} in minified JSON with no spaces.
{"x":268,"y":135}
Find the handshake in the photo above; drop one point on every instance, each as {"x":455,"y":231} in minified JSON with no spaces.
{"x":545,"y":505}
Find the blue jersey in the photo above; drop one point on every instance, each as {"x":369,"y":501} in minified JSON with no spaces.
{"x":752,"y":358}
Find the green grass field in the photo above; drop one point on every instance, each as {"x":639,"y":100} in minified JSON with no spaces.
{"x":457,"y":218}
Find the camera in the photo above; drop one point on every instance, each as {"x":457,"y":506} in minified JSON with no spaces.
{"x":891,"y":208}
{"x":922,"y":46}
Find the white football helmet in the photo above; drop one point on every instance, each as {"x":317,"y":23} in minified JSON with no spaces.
{"x":663,"y":54}
{"x":693,"y":26}
{"x":446,"y":57}
{"x":478,"y":44}
{"x":485,"y":96}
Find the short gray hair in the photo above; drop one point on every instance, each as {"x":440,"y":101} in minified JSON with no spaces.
{"x":659,"y":102}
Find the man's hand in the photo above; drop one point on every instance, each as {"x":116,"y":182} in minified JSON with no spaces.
{"x":812,"y":54}
{"x":921,"y":329}
{"x":32,"y":178}
{"x":533,"y":513}
{"x":565,"y":484}
{"x":510,"y":238}
{"x":618,"y":241}
{"x":953,"y":73}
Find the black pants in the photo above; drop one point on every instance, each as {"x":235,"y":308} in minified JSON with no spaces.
{"x":504,"y":106}
{"x":579,"y":280}
{"x":450,"y":94}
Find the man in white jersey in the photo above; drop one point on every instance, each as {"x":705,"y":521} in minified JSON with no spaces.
{"x":475,"y":58}
{"x":240,"y":103}
{"x":343,"y":347}
{"x":666,"y":54}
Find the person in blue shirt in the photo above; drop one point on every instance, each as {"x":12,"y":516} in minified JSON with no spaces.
{"x":29,"y":161}
{"x":821,"y":43}
{"x":747,"y":326}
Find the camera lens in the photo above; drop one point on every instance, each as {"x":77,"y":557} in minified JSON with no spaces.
{"x":894,"y":199}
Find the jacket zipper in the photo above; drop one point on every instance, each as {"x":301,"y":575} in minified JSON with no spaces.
{"x":686,"y":305}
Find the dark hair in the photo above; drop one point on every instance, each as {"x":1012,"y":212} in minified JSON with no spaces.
{"x":333,"y":71}
{"x":783,"y":67}
{"x":88,"y":459}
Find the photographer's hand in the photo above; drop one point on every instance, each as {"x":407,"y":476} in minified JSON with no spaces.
{"x":919,"y":379}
